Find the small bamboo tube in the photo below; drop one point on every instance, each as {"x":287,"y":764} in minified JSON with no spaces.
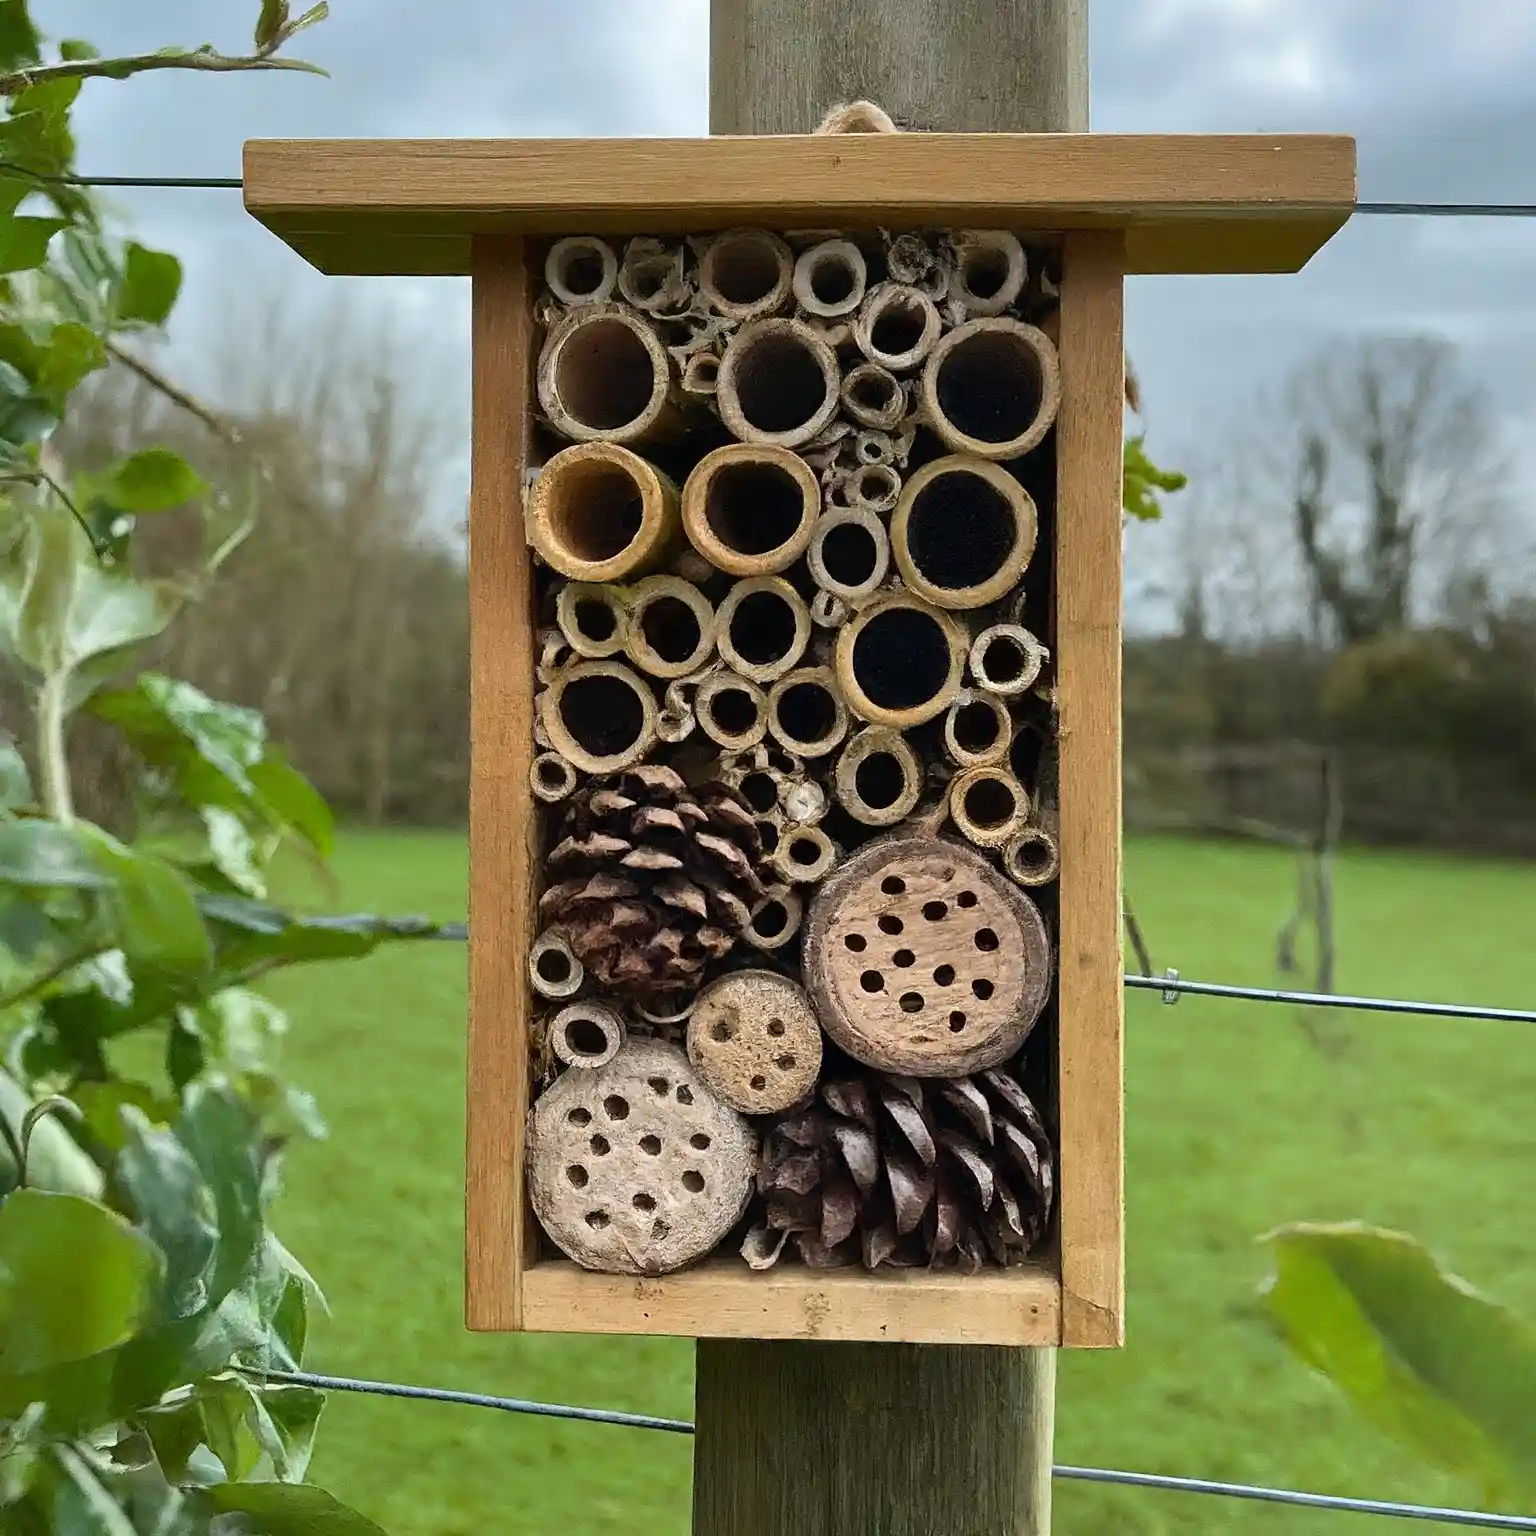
{"x":586,"y":1035}
{"x":991,"y":387}
{"x":604,"y":376}
{"x":987,"y":804}
{"x":806,"y":714}
{"x":1006,"y":660}
{"x":900,"y":661}
{"x":599,"y":716}
{"x":775,"y":919}
{"x":778,"y":383}
{"x":898,"y":326}
{"x":701,"y":374}
{"x":552,"y":778}
{"x":871,"y":447}
{"x":745,"y":274}
{"x":732,"y":711}
{"x":989,"y":271}
{"x":874,"y":488}
{"x":671,"y":627}
{"x":878,"y":777}
{"x":593,"y":620}
{"x":553,"y":969}
{"x":849,"y":553}
{"x":763,"y":627}
{"x":827,"y":609}
{"x":581,"y":269}
{"x":651,"y":275}
{"x":977,"y":729}
{"x":670,"y":1008}
{"x":1032,"y":857}
{"x":963,"y":532}
{"x":750,"y":508}
{"x":600,"y":513}
{"x":829,"y":279}
{"x":874,"y":397}
{"x":805,"y":856}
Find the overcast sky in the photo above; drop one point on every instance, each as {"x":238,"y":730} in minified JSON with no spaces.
{"x":1441,"y":100}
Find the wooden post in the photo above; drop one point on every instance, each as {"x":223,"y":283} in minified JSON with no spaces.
{"x":900,"y":1439}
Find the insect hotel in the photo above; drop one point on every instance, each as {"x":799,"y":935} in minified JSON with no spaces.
{"x":795,"y":582}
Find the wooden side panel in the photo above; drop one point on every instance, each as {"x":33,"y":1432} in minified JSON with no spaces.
{"x":1088,"y":637}
{"x":501,"y":809}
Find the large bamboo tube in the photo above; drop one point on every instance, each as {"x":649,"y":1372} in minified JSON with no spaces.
{"x":599,"y":716}
{"x":750,"y":508}
{"x":593,"y":620}
{"x":671,"y":627}
{"x":598,"y":512}
{"x":849,"y":553}
{"x":878,"y":777}
{"x":604,"y":376}
{"x":897,"y":327}
{"x":746,"y":273}
{"x":991,"y":387}
{"x":762,"y":628}
{"x":963,"y":532}
{"x":581,"y":269}
{"x":989,"y":270}
{"x":778,"y":383}
{"x":829,"y":279}
{"x":806,"y":714}
{"x":900,"y":661}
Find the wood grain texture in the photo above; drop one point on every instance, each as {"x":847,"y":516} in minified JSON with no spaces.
{"x":1195,"y":203}
{"x":501,"y":807}
{"x":840,"y":1440}
{"x":724,"y":1299}
{"x":1088,"y":638}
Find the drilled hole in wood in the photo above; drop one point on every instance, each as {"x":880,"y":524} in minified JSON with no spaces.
{"x":753,"y":507}
{"x":579,"y":1116}
{"x":595,"y":620}
{"x":597,"y":1220}
{"x":577,"y":1175}
{"x":671,"y":628}
{"x":986,"y":940}
{"x":903,"y":958}
{"x":935,"y":911}
{"x":699,"y":1142}
{"x":945,"y":975}
{"x":684,"y":1094}
{"x":989,"y":386}
{"x":659,"y":1085}
{"x":879,"y":780}
{"x":760,"y":792}
{"x":651,"y":1145}
{"x":693,"y":1181}
{"x":616,"y":1107}
{"x":889,"y":923}
{"x":856,"y":942}
{"x":893,"y":885}
{"x":600,"y":1146}
{"x":956,"y":1023}
{"x":982,"y":989}
{"x":966,"y":899}
{"x":911,"y":1002}
{"x":644,"y":1202}
{"x":660,"y":1229}
{"x":872,"y":981}
{"x":722,"y":1029}
{"x":759,"y":1082}
{"x":785,"y":1063}
{"x":775,"y":1026}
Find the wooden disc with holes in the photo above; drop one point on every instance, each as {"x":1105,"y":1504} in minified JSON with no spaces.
{"x":921,"y":958}
{"x":753,"y":1037}
{"x":636,"y":1167}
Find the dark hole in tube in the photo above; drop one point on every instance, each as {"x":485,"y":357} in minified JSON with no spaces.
{"x":832,"y":279}
{"x":733,"y":711}
{"x":583,"y":272}
{"x":989,"y":386}
{"x":898,"y":327}
{"x":604,"y":377}
{"x":1004,"y":658}
{"x":901,"y":659}
{"x":763,"y":628}
{"x":848,"y":553}
{"x":769,"y":833}
{"x":599,"y":511}
{"x":603,"y":714}
{"x":584,"y":1037}
{"x":807,"y":712}
{"x":554,"y":965}
{"x":671,"y":628}
{"x":984,"y":273}
{"x":989,"y":803}
{"x":879,"y":780}
{"x":959,"y":530}
{"x":753,"y":508}
{"x":743,"y":268}
{"x":595,"y":620}
{"x":977,"y":727}
{"x":760,"y":792}
{"x":779,"y":382}
{"x":646,"y":278}
{"x":805,"y":850}
{"x":772,"y":920}
{"x":873,"y":391}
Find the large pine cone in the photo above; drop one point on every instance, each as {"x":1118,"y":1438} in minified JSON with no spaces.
{"x":896,"y":1170}
{"x":652,"y":880}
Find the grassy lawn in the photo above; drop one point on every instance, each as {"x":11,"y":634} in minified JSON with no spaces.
{"x":1237,"y":1120}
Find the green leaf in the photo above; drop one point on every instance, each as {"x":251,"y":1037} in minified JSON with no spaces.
{"x":152,"y":480}
{"x":157,"y":924}
{"x":42,"y":625}
{"x":15,"y":781}
{"x":102,"y":1106}
{"x":20,"y":45}
{"x":55,"y":1160}
{"x":24,"y":241}
{"x":288,"y":1509}
{"x":293,"y":802}
{"x":75,"y":49}
{"x":316,"y":13}
{"x":73,"y":353}
{"x":1143,"y":480}
{"x":1449,"y":1373}
{"x":270,"y":24}
{"x":75,"y":1280}
{"x":233,"y":850}
{"x":151,"y":283}
{"x":43,"y":855}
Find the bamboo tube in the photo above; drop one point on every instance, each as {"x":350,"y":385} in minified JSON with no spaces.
{"x":1006,"y":660}
{"x":874,"y":488}
{"x":849,"y":553}
{"x":701,"y":374}
{"x":750,"y":508}
{"x":671,"y":627}
{"x":732,"y":711}
{"x":897,"y":327}
{"x":554,"y":655}
{"x":594,"y":622}
{"x":900,"y":661}
{"x":599,"y":513}
{"x":805,"y":856}
{"x":874,"y":396}
{"x":878,"y":778}
{"x":581,"y":269}
{"x":599,"y":716}
{"x":829,"y":279}
{"x":989,"y":271}
{"x":977,"y":729}
{"x":775,"y":919}
{"x":553,"y":969}
{"x":1032,"y":857}
{"x":778,"y":383}
{"x":586,"y":1035}
{"x":746,"y":273}
{"x":963,"y":532}
{"x":669,"y":1008}
{"x":991,"y":387}
{"x":987,"y":804}
{"x":651,"y":275}
{"x":827,"y":609}
{"x":806,"y":713}
{"x":763,"y":628}
{"x":551,"y":777}
{"x":604,"y":376}
{"x":872,"y":447}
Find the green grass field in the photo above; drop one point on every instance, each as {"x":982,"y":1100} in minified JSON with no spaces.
{"x":1237,"y":1121}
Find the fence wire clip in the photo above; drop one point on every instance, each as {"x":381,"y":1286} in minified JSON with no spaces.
{"x":1171,"y":995}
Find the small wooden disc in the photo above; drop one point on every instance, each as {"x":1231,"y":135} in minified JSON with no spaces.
{"x":754,"y":1039}
{"x":922,"y":959}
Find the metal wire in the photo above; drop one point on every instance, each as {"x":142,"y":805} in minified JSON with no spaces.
{"x":1463,"y":1517}
{"x":1171,"y":985}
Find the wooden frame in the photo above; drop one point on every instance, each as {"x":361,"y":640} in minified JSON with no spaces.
{"x":1119,"y":205}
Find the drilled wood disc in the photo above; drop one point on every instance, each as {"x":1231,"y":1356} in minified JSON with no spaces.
{"x":922,"y":959}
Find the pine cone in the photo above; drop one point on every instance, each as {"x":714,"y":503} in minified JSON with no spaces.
{"x":897,"y":1170}
{"x":652,"y":880}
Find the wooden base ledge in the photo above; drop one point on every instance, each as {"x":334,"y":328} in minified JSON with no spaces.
{"x":721,"y":1299}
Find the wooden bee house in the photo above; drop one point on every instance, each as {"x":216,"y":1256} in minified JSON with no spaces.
{"x":795,"y":585}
